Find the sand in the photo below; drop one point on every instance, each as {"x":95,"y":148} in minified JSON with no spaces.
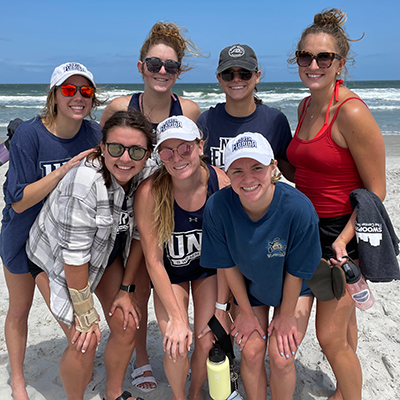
{"x":378,"y":349}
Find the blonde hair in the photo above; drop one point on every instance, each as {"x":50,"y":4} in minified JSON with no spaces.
{"x":330,"y":22}
{"x":276,"y":176}
{"x":173,"y":36}
{"x":163,"y":192}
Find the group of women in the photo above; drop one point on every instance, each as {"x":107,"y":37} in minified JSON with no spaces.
{"x":103,"y":211}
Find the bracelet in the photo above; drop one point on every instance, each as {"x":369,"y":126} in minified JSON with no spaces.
{"x":129,"y":288}
{"x":223,"y":307}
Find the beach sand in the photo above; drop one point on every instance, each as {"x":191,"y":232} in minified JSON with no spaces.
{"x":378,"y":346}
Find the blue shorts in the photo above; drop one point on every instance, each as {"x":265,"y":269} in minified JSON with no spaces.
{"x":254,"y":302}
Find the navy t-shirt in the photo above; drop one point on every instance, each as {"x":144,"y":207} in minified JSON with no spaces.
{"x":34,"y":153}
{"x":219,"y":127}
{"x":285,"y":239}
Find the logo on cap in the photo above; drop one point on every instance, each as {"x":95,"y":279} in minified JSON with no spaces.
{"x":245,"y":142}
{"x":236,"y":51}
{"x":170,"y":123}
{"x":74,"y":67}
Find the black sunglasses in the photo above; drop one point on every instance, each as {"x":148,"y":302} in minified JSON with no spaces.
{"x":244,"y":74}
{"x":324,"y":59}
{"x":116,"y":150}
{"x":154,"y":65}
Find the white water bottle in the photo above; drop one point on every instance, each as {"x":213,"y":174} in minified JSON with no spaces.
{"x":357,"y":286}
{"x":218,"y":372}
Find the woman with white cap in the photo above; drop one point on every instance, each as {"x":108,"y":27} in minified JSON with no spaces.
{"x":168,"y":210}
{"x":42,"y":151}
{"x":264,"y":235}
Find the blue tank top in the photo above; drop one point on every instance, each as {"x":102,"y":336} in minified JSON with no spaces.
{"x":176,"y":108}
{"x":182,"y":254}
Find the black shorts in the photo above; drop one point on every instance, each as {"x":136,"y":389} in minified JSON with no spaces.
{"x":34,"y":269}
{"x":329,"y":230}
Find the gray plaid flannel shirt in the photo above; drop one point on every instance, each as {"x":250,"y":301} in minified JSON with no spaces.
{"x":77,"y":225}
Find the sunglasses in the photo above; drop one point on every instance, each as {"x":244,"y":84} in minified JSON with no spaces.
{"x":116,"y":150}
{"x":324,"y":59}
{"x":228,"y":75}
{"x":154,"y":65}
{"x":69,"y":90}
{"x":184,"y":150}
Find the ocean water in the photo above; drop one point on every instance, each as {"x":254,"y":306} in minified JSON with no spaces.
{"x":382,"y":97}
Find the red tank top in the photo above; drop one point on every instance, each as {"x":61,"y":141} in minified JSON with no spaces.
{"x":325,"y":172}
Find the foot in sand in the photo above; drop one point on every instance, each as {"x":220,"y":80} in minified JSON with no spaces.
{"x":143,"y":377}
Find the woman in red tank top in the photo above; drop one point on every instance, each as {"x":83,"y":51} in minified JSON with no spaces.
{"x":337,"y":148}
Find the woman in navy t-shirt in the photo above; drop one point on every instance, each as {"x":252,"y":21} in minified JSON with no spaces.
{"x":42,"y":151}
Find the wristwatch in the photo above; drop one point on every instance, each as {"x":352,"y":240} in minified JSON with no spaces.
{"x":129,"y":288}
{"x":223,"y":307}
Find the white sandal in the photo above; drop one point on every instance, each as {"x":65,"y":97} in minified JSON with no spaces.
{"x":139,"y":379}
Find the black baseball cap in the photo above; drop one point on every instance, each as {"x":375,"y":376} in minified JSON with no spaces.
{"x":237,"y":55}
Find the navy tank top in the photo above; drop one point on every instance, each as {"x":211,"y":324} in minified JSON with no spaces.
{"x":182,"y":254}
{"x":176,"y":108}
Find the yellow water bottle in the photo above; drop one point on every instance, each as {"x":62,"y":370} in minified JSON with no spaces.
{"x":218,"y":372}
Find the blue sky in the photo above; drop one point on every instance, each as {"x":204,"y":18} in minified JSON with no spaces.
{"x":36,"y":36}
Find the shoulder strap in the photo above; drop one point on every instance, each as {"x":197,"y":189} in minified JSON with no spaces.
{"x":345,"y":101}
{"x":223,"y":338}
{"x":213,"y":185}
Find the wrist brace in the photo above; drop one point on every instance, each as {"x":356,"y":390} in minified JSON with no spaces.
{"x":84,"y":311}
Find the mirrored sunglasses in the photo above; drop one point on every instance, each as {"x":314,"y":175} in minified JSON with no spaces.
{"x":324,"y":59}
{"x":116,"y":150}
{"x":184,"y":150}
{"x":154,"y":65}
{"x":244,"y":74}
{"x":69,"y":90}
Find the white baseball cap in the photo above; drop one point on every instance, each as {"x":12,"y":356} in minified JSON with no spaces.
{"x":248,"y":145}
{"x":64,"y":71}
{"x":177,"y":127}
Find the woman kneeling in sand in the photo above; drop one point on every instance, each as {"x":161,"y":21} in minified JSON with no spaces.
{"x":79,"y":244}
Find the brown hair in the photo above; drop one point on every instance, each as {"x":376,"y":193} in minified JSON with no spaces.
{"x":164,"y":203}
{"x":49,"y":112}
{"x":330,"y":22}
{"x":171,"y":35}
{"x":133,"y":119}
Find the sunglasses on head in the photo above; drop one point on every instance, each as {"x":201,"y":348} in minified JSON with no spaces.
{"x":324,"y":59}
{"x":116,"y":150}
{"x":154,"y":65}
{"x":69,"y":90}
{"x":228,"y":75}
{"x":184,"y":150}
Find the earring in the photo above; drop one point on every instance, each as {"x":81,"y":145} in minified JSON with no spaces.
{"x":338,"y":73}
{"x":102,"y":154}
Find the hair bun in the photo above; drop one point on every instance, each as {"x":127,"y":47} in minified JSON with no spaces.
{"x":333,"y":16}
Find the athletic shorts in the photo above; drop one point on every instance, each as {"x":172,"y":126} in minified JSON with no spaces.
{"x":329,"y":230}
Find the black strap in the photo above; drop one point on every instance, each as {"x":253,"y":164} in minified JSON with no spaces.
{"x":223,"y":338}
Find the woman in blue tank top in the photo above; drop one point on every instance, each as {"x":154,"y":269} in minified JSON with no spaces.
{"x":169,"y":212}
{"x":160,"y":65}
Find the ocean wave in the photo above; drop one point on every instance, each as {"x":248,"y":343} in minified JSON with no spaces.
{"x":384,"y":107}
{"x":378,"y":94}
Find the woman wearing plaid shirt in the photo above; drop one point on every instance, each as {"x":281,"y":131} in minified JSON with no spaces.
{"x":80,"y":244}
